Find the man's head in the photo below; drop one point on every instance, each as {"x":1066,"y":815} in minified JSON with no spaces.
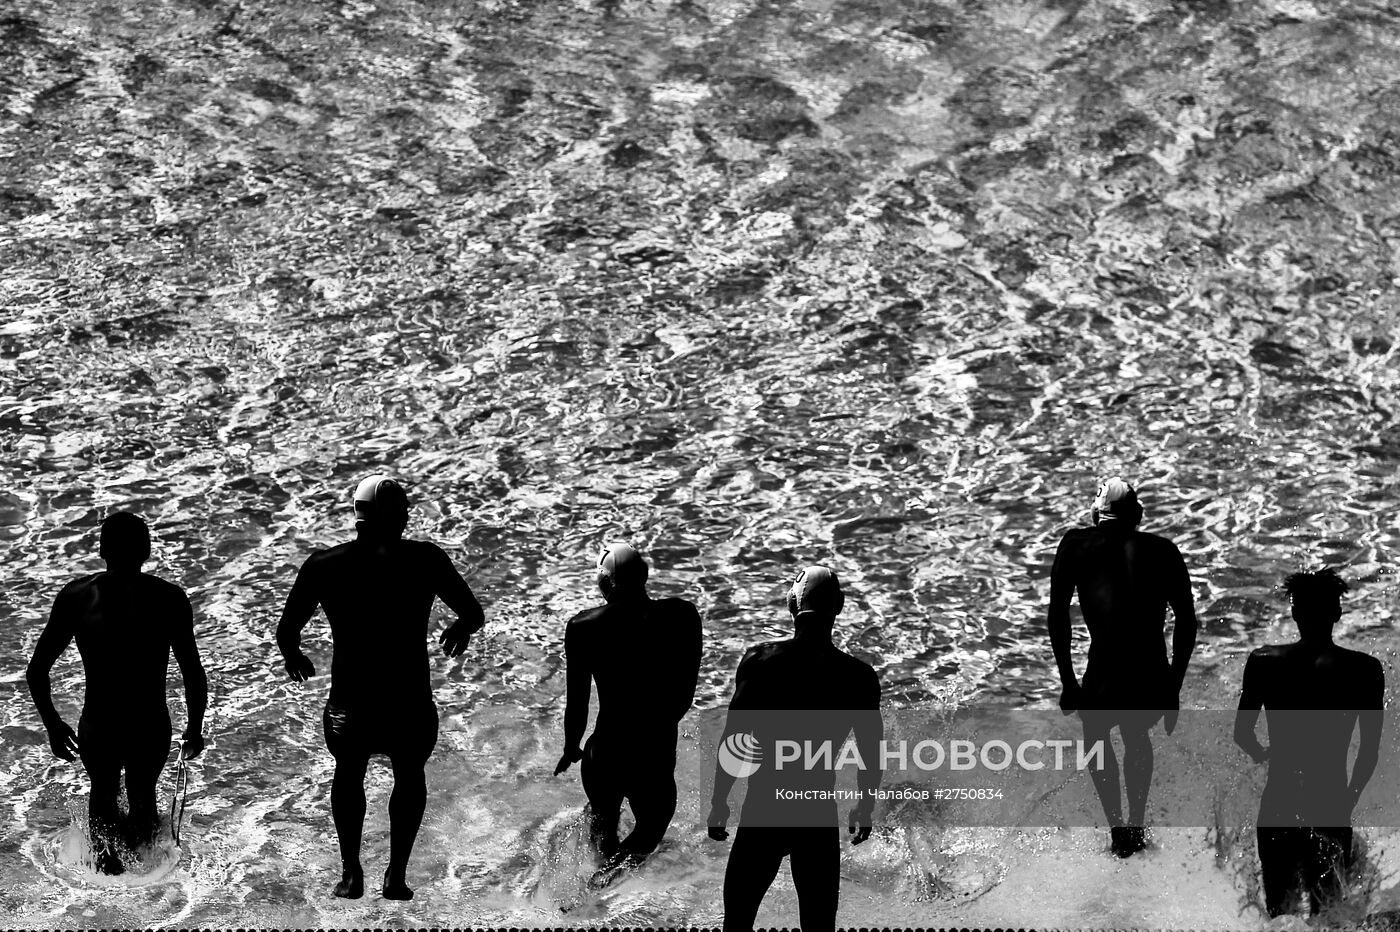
{"x":622,"y":572}
{"x":381,"y":506}
{"x":1116,"y":501}
{"x":1317,"y":599}
{"x":125,"y":541}
{"x":816,"y":593}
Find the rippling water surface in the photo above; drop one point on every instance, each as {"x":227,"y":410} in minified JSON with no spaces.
{"x":753,"y":284}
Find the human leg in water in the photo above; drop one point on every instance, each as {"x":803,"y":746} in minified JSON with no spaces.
{"x":1097,"y":729}
{"x":144,"y":763}
{"x":1137,"y":776}
{"x":603,"y":787}
{"x":348,"y":812}
{"x":406,"y":806}
{"x":653,"y":803}
{"x":409,"y":738}
{"x":1329,"y":858}
{"x":102,"y":759}
{"x":1282,"y":854}
{"x":815,"y":859}
{"x":104,"y":811}
{"x":754,"y":859}
{"x":1137,"y":751}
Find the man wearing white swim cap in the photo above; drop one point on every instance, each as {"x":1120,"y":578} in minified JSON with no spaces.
{"x":1126,"y":580}
{"x":644,"y":654}
{"x":377,"y":592}
{"x":127,"y":624}
{"x":804,"y":673}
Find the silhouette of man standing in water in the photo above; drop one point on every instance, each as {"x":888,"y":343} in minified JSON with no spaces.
{"x":805,"y":674}
{"x":1315,"y":694}
{"x":644,"y":654}
{"x":1126,"y":579}
{"x":377,"y":592}
{"x":127,"y":624}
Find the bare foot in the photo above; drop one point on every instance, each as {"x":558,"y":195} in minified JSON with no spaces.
{"x":109,"y":863}
{"x":1128,"y":840}
{"x":352,"y":884}
{"x":614,"y":869}
{"x":396,"y":889}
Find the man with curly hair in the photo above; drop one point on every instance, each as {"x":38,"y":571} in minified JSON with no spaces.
{"x":1316,"y":694}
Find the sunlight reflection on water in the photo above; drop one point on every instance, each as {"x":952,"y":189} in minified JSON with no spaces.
{"x":881,"y":284}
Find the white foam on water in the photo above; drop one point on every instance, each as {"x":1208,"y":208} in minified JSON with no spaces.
{"x":67,"y":856}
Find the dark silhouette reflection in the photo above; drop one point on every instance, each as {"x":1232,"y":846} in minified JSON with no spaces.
{"x":644,"y":654}
{"x":377,"y":592}
{"x":126,"y":623}
{"x":1315,"y":694}
{"x":803,"y":674}
{"x":1126,"y":579}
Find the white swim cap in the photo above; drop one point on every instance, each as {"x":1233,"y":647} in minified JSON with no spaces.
{"x":621,"y":567}
{"x":378,"y":495}
{"x":816,"y":589}
{"x":1116,"y":500}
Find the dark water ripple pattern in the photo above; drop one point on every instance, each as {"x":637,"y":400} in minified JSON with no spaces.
{"x":884,"y":284}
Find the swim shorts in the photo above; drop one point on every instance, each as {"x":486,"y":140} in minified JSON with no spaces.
{"x":398,"y":733}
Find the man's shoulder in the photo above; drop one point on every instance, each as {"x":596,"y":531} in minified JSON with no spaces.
{"x":328,"y":556}
{"x":586,"y":618}
{"x":858,"y":670}
{"x":1157,"y":542}
{"x":78,"y":586}
{"x":331,"y":552}
{"x":163,"y":587}
{"x":422,"y":548}
{"x":1076,"y":536}
{"x":1074,"y":543}
{"x":1269,"y":653}
{"x":678,"y":606}
{"x":1361,"y":661}
{"x":764,"y":651}
{"x":855,"y":663}
{"x":1083,"y":535}
{"x":589,"y":614}
{"x":1367,"y":678}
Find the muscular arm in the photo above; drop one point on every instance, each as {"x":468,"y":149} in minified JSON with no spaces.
{"x":301,"y":605}
{"x":53,"y":641}
{"x":578,"y":688}
{"x":1247,"y":717}
{"x":455,"y":593}
{"x":1057,"y":619}
{"x":186,"y":652}
{"x":691,"y":649}
{"x":719,"y":797}
{"x":449,"y":586}
{"x":1184,"y":625}
{"x":1372,"y":698}
{"x":870,"y":731}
